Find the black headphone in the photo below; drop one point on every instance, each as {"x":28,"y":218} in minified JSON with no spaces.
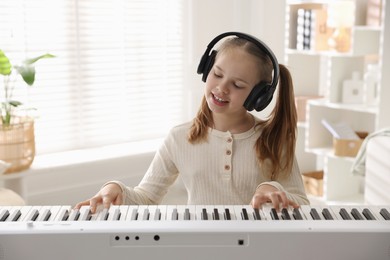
{"x":261,"y":95}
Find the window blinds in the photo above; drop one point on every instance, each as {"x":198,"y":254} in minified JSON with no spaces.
{"x":118,"y":72}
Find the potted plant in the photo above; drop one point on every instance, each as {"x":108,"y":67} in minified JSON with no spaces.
{"x":17,"y":142}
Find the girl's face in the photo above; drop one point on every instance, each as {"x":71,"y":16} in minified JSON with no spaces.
{"x":233,"y":76}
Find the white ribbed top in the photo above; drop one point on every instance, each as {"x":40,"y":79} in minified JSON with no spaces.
{"x":222,"y":171}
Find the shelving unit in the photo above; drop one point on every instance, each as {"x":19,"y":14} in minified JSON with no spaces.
{"x":320,"y":74}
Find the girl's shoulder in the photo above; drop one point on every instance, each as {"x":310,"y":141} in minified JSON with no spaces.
{"x":181,"y":129}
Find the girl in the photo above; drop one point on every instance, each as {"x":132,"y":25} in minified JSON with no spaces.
{"x":226,"y":155}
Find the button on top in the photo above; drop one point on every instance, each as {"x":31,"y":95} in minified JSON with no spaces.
{"x":229,"y":140}
{"x":228,"y":152}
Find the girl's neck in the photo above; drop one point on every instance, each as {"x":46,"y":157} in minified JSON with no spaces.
{"x":234,"y":125}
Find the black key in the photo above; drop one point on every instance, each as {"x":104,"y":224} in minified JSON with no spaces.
{"x":314,"y":214}
{"x":326,"y":214}
{"x":187,"y":215}
{"x":227,"y":214}
{"x":65,"y":215}
{"x":33,"y":215}
{"x":215,"y":214}
{"x":285,"y":214}
{"x":367,"y":213}
{"x":274,"y":214}
{"x":344,"y":214}
{"x":4,"y":215}
{"x":74,"y":215}
{"x":297,"y":214}
{"x":15,"y":215}
{"x":385,"y":213}
{"x":204,"y":214}
{"x":104,"y":215}
{"x":175,"y":216}
{"x":356,"y":214}
{"x":256,"y":214}
{"x":244,"y":214}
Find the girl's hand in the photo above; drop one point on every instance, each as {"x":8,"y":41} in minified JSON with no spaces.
{"x":269,"y":194}
{"x":109,"y":194}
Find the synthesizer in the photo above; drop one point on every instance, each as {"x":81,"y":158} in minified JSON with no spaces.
{"x":195,"y":232}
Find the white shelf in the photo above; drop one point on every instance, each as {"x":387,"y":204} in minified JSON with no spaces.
{"x":321,"y":73}
{"x":351,"y":107}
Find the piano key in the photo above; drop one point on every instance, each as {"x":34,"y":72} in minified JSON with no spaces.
{"x":48,"y":213}
{"x":163,"y":212}
{"x":74,"y":215}
{"x":153,"y":210}
{"x":314,"y":214}
{"x":187,"y":215}
{"x":285,"y":214}
{"x":101,"y":215}
{"x":157,"y":215}
{"x":244,"y":214}
{"x":63,"y":214}
{"x":326,"y":213}
{"x":297,"y":214}
{"x":4,"y":214}
{"x":24,"y":210}
{"x":134,"y":214}
{"x":344,"y":214}
{"x":257,"y":214}
{"x":274,"y":214}
{"x":32,"y":215}
{"x":114,"y":213}
{"x":368,"y":214}
{"x":215,"y":214}
{"x":14,"y":215}
{"x":204,"y":214}
{"x":175,"y":215}
{"x":44,"y":215}
{"x":356,"y":214}
{"x":85,"y":213}
{"x":385,"y":213}
{"x":227,"y":214}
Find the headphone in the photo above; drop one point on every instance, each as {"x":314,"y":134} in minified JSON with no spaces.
{"x":262,"y":93}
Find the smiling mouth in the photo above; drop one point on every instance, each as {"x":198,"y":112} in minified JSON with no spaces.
{"x":219,"y":100}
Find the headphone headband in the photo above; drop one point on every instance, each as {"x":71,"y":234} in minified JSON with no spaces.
{"x":261,"y":94}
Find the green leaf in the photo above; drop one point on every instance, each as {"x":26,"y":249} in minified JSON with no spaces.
{"x":33,"y":60}
{"x":27,"y":72}
{"x":5,"y":65}
{"x":15,"y":103}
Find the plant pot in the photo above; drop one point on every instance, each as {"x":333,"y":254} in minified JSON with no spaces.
{"x":17,"y":145}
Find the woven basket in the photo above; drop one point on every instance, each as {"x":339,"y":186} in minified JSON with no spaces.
{"x":17,"y":145}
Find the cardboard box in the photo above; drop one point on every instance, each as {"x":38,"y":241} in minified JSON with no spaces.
{"x":350,"y":148}
{"x":300,"y":104}
{"x":314,"y":182}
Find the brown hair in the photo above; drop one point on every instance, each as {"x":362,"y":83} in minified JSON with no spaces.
{"x":276,"y":144}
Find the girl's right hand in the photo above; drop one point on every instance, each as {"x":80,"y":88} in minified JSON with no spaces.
{"x":109,"y":194}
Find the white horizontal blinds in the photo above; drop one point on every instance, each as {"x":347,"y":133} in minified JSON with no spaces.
{"x":118,"y":72}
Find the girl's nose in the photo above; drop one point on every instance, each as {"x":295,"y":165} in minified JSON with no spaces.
{"x":223,"y":87}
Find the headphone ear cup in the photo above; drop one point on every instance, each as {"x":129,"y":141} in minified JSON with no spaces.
{"x":264,"y":100}
{"x":259,"y":98}
{"x":208,"y":65}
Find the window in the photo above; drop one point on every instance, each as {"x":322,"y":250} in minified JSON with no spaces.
{"x":118,"y":72}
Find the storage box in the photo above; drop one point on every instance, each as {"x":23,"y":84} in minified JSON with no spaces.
{"x":350,"y":148}
{"x":314,"y":182}
{"x":300,"y":104}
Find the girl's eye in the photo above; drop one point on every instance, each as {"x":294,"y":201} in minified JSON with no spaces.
{"x":217,"y":75}
{"x":237,"y":86}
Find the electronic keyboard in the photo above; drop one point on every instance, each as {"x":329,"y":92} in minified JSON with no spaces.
{"x":195,"y":232}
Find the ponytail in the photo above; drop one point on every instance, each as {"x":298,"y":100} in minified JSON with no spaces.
{"x":277,"y":141}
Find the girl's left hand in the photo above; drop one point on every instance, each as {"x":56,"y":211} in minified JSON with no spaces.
{"x":269,"y":194}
